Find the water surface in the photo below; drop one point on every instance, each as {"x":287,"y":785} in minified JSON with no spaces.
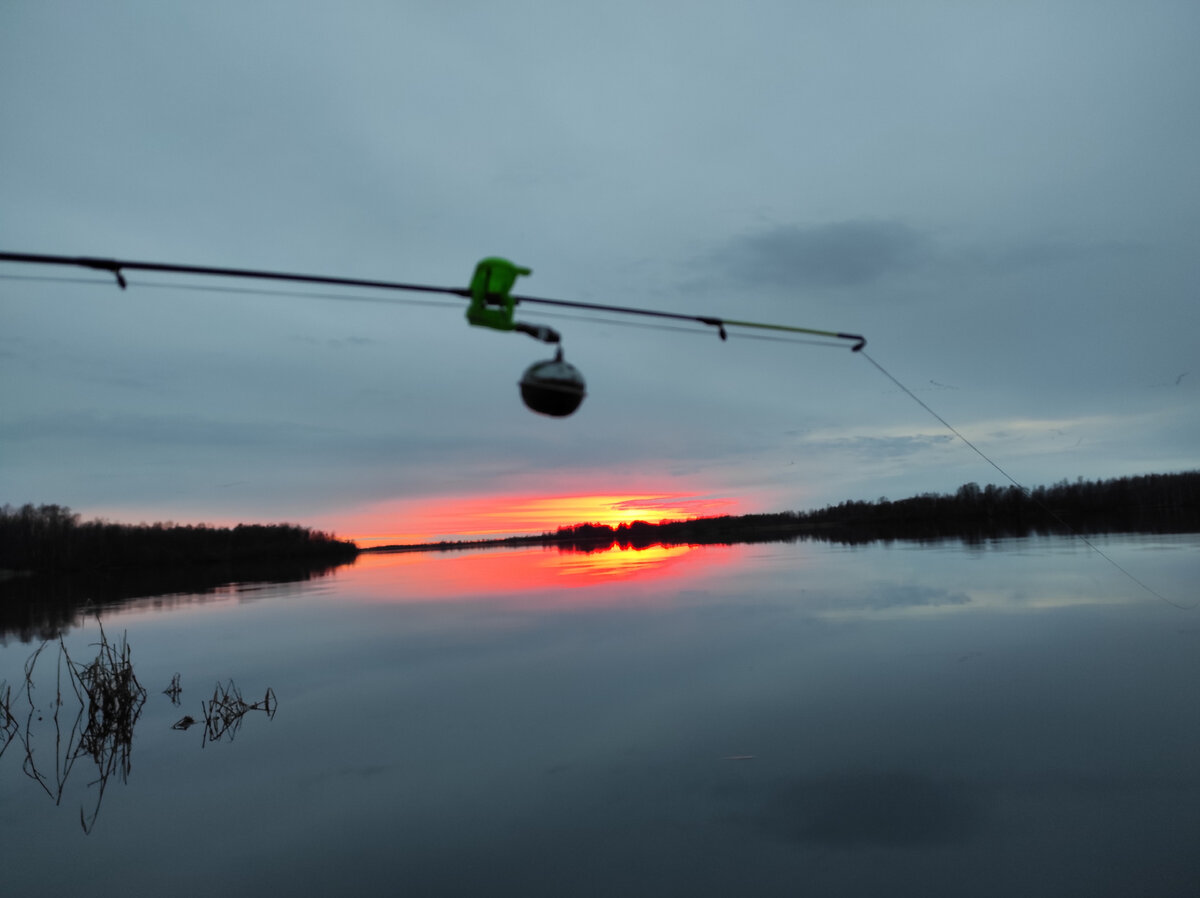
{"x":1010,"y":718}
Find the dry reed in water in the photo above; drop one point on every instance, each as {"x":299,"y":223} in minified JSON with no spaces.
{"x":110,"y":701}
{"x":223,"y":715}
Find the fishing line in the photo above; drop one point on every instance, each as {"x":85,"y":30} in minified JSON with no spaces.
{"x":423,"y":303}
{"x":800,"y":341}
{"x":243,"y":291}
{"x":1025,"y":490}
{"x":52,"y":280}
{"x":679,"y":329}
{"x":400,"y":301}
{"x":616,"y":322}
{"x":300,"y":294}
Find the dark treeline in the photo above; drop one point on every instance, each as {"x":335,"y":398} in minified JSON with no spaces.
{"x":1150,"y":503}
{"x":52,"y":538}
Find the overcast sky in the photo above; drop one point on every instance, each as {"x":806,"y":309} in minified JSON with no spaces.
{"x":1003,"y":197}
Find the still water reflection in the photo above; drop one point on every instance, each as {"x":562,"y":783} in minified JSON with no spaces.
{"x":781,"y":719}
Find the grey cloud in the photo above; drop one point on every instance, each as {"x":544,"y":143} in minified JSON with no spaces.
{"x":838,"y":254}
{"x":859,"y":253}
{"x":1036,"y":254}
{"x":295,"y":444}
{"x":884,"y":447}
{"x":119,"y":429}
{"x":84,"y":457}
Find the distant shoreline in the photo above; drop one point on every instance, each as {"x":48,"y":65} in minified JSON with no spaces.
{"x":1148,"y":503}
{"x":619,"y":535}
{"x":49,"y":538}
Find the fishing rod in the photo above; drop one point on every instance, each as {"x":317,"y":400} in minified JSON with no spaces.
{"x":553,"y":387}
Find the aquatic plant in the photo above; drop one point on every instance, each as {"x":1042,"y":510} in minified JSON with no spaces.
{"x":110,"y":700}
{"x":223,"y":714}
{"x":108,"y":703}
{"x":8,"y":722}
{"x":173,"y":690}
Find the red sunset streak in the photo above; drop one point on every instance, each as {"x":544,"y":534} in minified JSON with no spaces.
{"x":611,"y":576}
{"x":435,"y":519}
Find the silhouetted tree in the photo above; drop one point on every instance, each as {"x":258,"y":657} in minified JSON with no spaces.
{"x":52,"y":538}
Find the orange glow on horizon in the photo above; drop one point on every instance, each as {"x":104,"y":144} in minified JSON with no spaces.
{"x":434,"y":519}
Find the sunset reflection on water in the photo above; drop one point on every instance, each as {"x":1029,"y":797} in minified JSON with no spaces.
{"x":415,"y":576}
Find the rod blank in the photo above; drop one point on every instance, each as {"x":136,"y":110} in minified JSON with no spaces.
{"x":116,"y":267}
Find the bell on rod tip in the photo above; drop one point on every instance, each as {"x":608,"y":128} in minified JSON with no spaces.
{"x":553,"y":387}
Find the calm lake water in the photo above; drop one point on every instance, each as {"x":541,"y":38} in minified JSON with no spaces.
{"x":1010,"y":719}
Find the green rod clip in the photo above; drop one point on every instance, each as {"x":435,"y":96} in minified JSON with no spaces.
{"x":491,"y":303}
